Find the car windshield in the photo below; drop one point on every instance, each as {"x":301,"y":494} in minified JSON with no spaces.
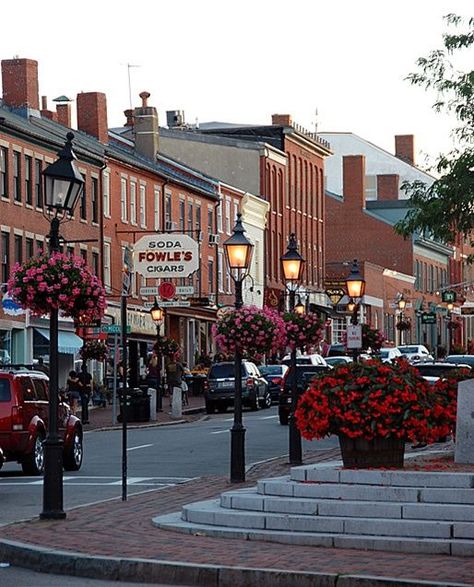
{"x":5,"y":395}
{"x":304,"y":374}
{"x":271,"y":369}
{"x":223,"y":371}
{"x":430,"y":370}
{"x":408,"y":350}
{"x":466,"y":359}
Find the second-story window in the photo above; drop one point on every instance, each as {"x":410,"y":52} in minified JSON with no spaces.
{"x":28,"y":178}
{"x":16,"y":176}
{"x":168,"y":207}
{"x":228,"y":227}
{"x":157,"y":209}
{"x":123,"y":200}
{"x":83,"y":206}
{"x":107,"y":272}
{"x":106,"y":194}
{"x":95,"y":200}
{"x":3,"y":172}
{"x":95,"y":263}
{"x":190,"y":217}
{"x":133,"y":202}
{"x":210,"y":285}
{"x":142,"y":206}
{"x":198,"y":217}
{"x":210,"y":221}
{"x":5,"y":256}
{"x":29,"y":248}
{"x":18,"y":244}
{"x":38,"y":183}
{"x":182,"y":214}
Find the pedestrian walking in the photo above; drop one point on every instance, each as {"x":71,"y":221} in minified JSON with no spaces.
{"x":85,"y":391}
{"x":174,"y":378}
{"x":73,"y":390}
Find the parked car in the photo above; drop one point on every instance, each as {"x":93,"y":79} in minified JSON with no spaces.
{"x":24,"y":409}
{"x":301,"y":359}
{"x":304,"y":375}
{"x":458,"y":359}
{"x":389,"y":354}
{"x":434,"y":371}
{"x":333,"y":361}
{"x":336,"y":350}
{"x":219,"y":387}
{"x":415,"y":352}
{"x":274,"y":376}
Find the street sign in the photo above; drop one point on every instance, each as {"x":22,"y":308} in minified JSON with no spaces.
{"x":449,"y":297}
{"x":184,"y":290}
{"x":167,"y":290}
{"x":428,"y":318}
{"x":170,"y":304}
{"x":335,"y":294}
{"x":354,"y":336}
{"x":467,"y":310}
{"x":148,"y":291}
{"x":166,"y":255}
{"x":203,"y":301}
{"x":114,"y":328}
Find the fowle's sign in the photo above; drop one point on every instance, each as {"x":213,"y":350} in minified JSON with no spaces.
{"x":166,"y":255}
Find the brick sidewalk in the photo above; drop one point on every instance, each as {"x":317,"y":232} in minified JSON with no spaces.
{"x":124,"y":530}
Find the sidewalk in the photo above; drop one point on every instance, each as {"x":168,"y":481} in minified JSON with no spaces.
{"x":116,"y":540}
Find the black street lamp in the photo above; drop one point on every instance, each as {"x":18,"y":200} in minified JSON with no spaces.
{"x":238,"y":251}
{"x":401,"y":303}
{"x":450,"y":307}
{"x":355,"y":284}
{"x":63,"y":185}
{"x":292,"y":264}
{"x":157,"y":315}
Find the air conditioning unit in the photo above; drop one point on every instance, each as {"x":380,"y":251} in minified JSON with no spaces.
{"x":213,"y":239}
{"x":170,"y":225}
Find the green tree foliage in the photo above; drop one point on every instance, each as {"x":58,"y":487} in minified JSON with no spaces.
{"x":446,"y":208}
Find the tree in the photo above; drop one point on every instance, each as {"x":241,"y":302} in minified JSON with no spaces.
{"x":446,"y":208}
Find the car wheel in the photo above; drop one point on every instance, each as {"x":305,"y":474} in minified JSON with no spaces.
{"x":210,"y":408}
{"x":255,"y":403}
{"x":72,"y":456}
{"x":283,"y":417}
{"x":33,"y":463}
{"x":266,"y":401}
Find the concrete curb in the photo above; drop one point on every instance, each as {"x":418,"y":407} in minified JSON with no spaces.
{"x":182,"y":573}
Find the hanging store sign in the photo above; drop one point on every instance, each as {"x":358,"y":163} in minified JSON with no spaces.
{"x":166,"y":255}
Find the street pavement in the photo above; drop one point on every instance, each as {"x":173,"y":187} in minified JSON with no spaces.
{"x":116,"y":540}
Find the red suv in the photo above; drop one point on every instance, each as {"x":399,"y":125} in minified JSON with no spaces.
{"x":24,"y":422}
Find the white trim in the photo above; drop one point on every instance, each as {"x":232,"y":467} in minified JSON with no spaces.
{"x":401,"y":276}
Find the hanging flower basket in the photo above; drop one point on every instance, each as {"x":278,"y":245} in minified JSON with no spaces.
{"x":253,"y":331}
{"x":402,"y":325}
{"x":58,"y":281}
{"x":94,"y":349}
{"x":302,"y":330}
{"x":166,"y":347}
{"x":369,"y":402}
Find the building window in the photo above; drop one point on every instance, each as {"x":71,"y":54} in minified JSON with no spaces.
{"x":219,"y":219}
{"x":220,"y":271}
{"x":182,"y":214}
{"x":83,"y":254}
{"x":18,"y":246}
{"x":133,"y":203}
{"x":3,"y":172}
{"x":210,"y":220}
{"x":107,"y":274}
{"x":168,"y":208}
{"x":95,"y":200}
{"x":236,"y":211}
{"x":38,"y":183}
{"x":16,"y":176}
{"x":29,"y":248}
{"x":106,"y":194}
{"x":143,"y":206}
{"x":39,"y":247}
{"x":95,"y":263}
{"x":198,"y":217}
{"x":190,"y":216}
{"x":227,"y":217}
{"x":157,"y":209}
{"x":70,"y":251}
{"x":5,"y":256}
{"x":210,"y":275}
{"x":83,"y":206}
{"x":123,"y":200}
{"x":28,"y":183}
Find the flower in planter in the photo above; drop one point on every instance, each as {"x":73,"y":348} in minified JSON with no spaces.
{"x":254,"y":331}
{"x":167,"y":347}
{"x":94,"y":349}
{"x":447,"y":390}
{"x":368,"y":401}
{"x":302,"y":330}
{"x":403,"y":324}
{"x":58,"y":281}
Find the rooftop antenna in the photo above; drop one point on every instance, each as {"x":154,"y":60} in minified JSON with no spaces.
{"x":129,"y":67}
{"x":316,"y":121}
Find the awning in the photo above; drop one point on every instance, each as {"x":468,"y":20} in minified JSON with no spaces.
{"x":68,"y":342}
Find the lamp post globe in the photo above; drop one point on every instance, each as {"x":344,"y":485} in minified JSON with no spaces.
{"x":355,"y":283}
{"x":63,"y":184}
{"x":238,"y":251}
{"x":292,"y":264}
{"x":299,"y":308}
{"x":157,"y":315}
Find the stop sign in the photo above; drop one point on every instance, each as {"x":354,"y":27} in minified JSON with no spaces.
{"x":167,"y":290}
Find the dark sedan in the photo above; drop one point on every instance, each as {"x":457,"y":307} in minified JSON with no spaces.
{"x":274,"y":375}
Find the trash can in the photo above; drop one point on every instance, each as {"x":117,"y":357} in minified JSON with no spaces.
{"x":138,"y":406}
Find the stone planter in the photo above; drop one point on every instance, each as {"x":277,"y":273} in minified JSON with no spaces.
{"x":358,"y":453}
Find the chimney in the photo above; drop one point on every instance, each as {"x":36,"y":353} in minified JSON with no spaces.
{"x":45,"y":113}
{"x":92,"y":115}
{"x":405,"y":148}
{"x":353,"y":169}
{"x":63,"y":112}
{"x":282,"y":119}
{"x":129,"y":116}
{"x":146,"y":128}
{"x":20,"y":83}
{"x":387,"y":187}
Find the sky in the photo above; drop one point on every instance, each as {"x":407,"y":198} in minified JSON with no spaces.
{"x":338,"y":65}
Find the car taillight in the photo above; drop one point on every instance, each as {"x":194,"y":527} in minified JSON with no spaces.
{"x":206,"y":385}
{"x":277,"y":380}
{"x":16,"y":419}
{"x":250,"y":382}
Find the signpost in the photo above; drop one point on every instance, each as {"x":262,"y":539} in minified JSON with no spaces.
{"x":448,"y":296}
{"x":354,"y":336}
{"x":428,"y":318}
{"x":166,"y":256}
{"x":167,"y":290}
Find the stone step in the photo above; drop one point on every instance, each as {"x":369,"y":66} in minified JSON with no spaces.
{"x":285,"y":487}
{"x":210,"y":513}
{"x":452,"y":546}
{"x":251,"y":501}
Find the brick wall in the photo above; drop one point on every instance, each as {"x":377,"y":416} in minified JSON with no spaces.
{"x":20,"y":83}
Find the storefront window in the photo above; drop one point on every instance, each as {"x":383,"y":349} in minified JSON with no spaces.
{"x":5,"y":347}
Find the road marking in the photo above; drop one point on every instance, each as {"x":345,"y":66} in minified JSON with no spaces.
{"x":101,"y":481}
{"x":141,"y":446}
{"x":219,"y":431}
{"x":269,"y":417}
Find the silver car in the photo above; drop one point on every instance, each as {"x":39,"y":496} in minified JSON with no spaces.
{"x":416,"y":353}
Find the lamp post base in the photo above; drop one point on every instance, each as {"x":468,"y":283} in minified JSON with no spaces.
{"x":53,"y":480}
{"x":237,"y":454}
{"x":296,"y":451}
